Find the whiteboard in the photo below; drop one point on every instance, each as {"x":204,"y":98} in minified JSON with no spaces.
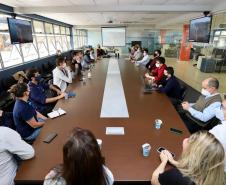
{"x":113,"y":36}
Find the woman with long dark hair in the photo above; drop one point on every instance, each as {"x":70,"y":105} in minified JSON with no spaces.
{"x":82,"y":163}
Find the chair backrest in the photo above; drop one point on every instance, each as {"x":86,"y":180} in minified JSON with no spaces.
{"x":183,"y":92}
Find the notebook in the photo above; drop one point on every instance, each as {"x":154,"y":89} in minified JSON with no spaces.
{"x":115,"y":131}
{"x":56,"y":113}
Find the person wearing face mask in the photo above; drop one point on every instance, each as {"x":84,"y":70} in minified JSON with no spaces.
{"x":151,"y":64}
{"x":38,"y":88}
{"x":220,"y":130}
{"x":61,"y":74}
{"x":144,"y":60}
{"x":138,"y":55}
{"x":201,"y":163}
{"x":158,"y":74}
{"x":204,"y":108}
{"x":170,"y":86}
{"x":27,"y":120}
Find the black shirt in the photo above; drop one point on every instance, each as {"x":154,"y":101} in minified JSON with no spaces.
{"x":174,"y":177}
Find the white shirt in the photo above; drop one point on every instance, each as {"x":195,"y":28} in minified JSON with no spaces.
{"x":219,"y":132}
{"x":11,"y":143}
{"x":60,"y":79}
{"x":207,"y":113}
{"x":144,"y":61}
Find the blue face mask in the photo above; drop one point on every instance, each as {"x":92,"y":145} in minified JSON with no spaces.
{"x":220,"y":114}
{"x":38,"y":78}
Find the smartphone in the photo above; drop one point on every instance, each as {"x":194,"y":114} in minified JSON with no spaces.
{"x":176,"y":131}
{"x":160,"y":149}
{"x":49,"y":137}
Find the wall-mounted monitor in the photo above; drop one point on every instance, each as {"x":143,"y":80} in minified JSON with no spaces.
{"x":200,"y":29}
{"x":113,"y":36}
{"x":20,"y":31}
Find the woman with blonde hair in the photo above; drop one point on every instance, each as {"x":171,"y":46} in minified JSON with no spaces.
{"x":201,"y":163}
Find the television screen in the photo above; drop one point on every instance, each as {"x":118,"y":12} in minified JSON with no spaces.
{"x":200,"y":29}
{"x":20,"y":31}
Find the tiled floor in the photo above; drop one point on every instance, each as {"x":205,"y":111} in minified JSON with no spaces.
{"x":193,"y":76}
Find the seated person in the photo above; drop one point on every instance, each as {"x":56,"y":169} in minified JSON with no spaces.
{"x":151,"y":64}
{"x":38,"y":96}
{"x":201,"y":163}
{"x":158,"y":74}
{"x":145,"y":58}
{"x":170,"y":86}
{"x":27,"y":120}
{"x":12,"y":145}
{"x":76,"y":65}
{"x":86,"y":61}
{"x":204,"y":108}
{"x":6,"y":119}
{"x":61,"y":74}
{"x":100,"y":52}
{"x":82,"y":162}
{"x":220,"y":130}
{"x":92,"y":55}
{"x":138,"y":55}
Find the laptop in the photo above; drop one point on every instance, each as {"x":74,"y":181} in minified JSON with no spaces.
{"x":148,"y":88}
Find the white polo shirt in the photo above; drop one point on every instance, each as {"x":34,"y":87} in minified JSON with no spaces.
{"x":11,"y":143}
{"x":60,"y":79}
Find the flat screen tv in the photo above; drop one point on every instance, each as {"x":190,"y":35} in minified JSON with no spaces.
{"x":20,"y":31}
{"x":200,"y":29}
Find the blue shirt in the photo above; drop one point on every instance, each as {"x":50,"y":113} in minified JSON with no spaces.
{"x":171,"y":88}
{"x":37,"y":95}
{"x":208,"y":113}
{"x":23,"y":112}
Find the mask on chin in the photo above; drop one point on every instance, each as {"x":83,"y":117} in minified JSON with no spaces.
{"x":220,"y":114}
{"x":205,"y":92}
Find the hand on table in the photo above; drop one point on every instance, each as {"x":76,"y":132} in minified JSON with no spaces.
{"x":185,"y":105}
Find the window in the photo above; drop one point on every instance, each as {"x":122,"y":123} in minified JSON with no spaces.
{"x":30,"y":51}
{"x":42,"y":45}
{"x":58,"y":42}
{"x":56,"y":29}
{"x":49,"y":28}
{"x":64,"y":42}
{"x":10,"y":53}
{"x":38,"y":27}
{"x":80,"y":38}
{"x":51,"y":44}
{"x":69,"y":42}
{"x":47,"y":38}
{"x":62,"y":30}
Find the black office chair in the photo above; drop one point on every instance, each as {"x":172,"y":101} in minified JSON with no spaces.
{"x":203,"y":125}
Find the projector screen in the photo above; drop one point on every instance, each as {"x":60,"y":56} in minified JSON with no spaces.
{"x":113,"y":36}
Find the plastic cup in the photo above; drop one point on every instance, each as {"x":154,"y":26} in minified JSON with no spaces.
{"x":66,"y":96}
{"x":146,"y":148}
{"x":99,"y":141}
{"x":158,"y":123}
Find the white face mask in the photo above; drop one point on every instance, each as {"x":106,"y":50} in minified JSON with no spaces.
{"x":157,"y":65}
{"x":205,"y":92}
{"x":220,"y":114}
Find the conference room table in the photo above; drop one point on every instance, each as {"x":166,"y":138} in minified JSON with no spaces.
{"x":123,"y":153}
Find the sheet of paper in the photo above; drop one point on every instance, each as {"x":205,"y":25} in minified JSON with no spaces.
{"x":115,"y":131}
{"x":53,"y":114}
